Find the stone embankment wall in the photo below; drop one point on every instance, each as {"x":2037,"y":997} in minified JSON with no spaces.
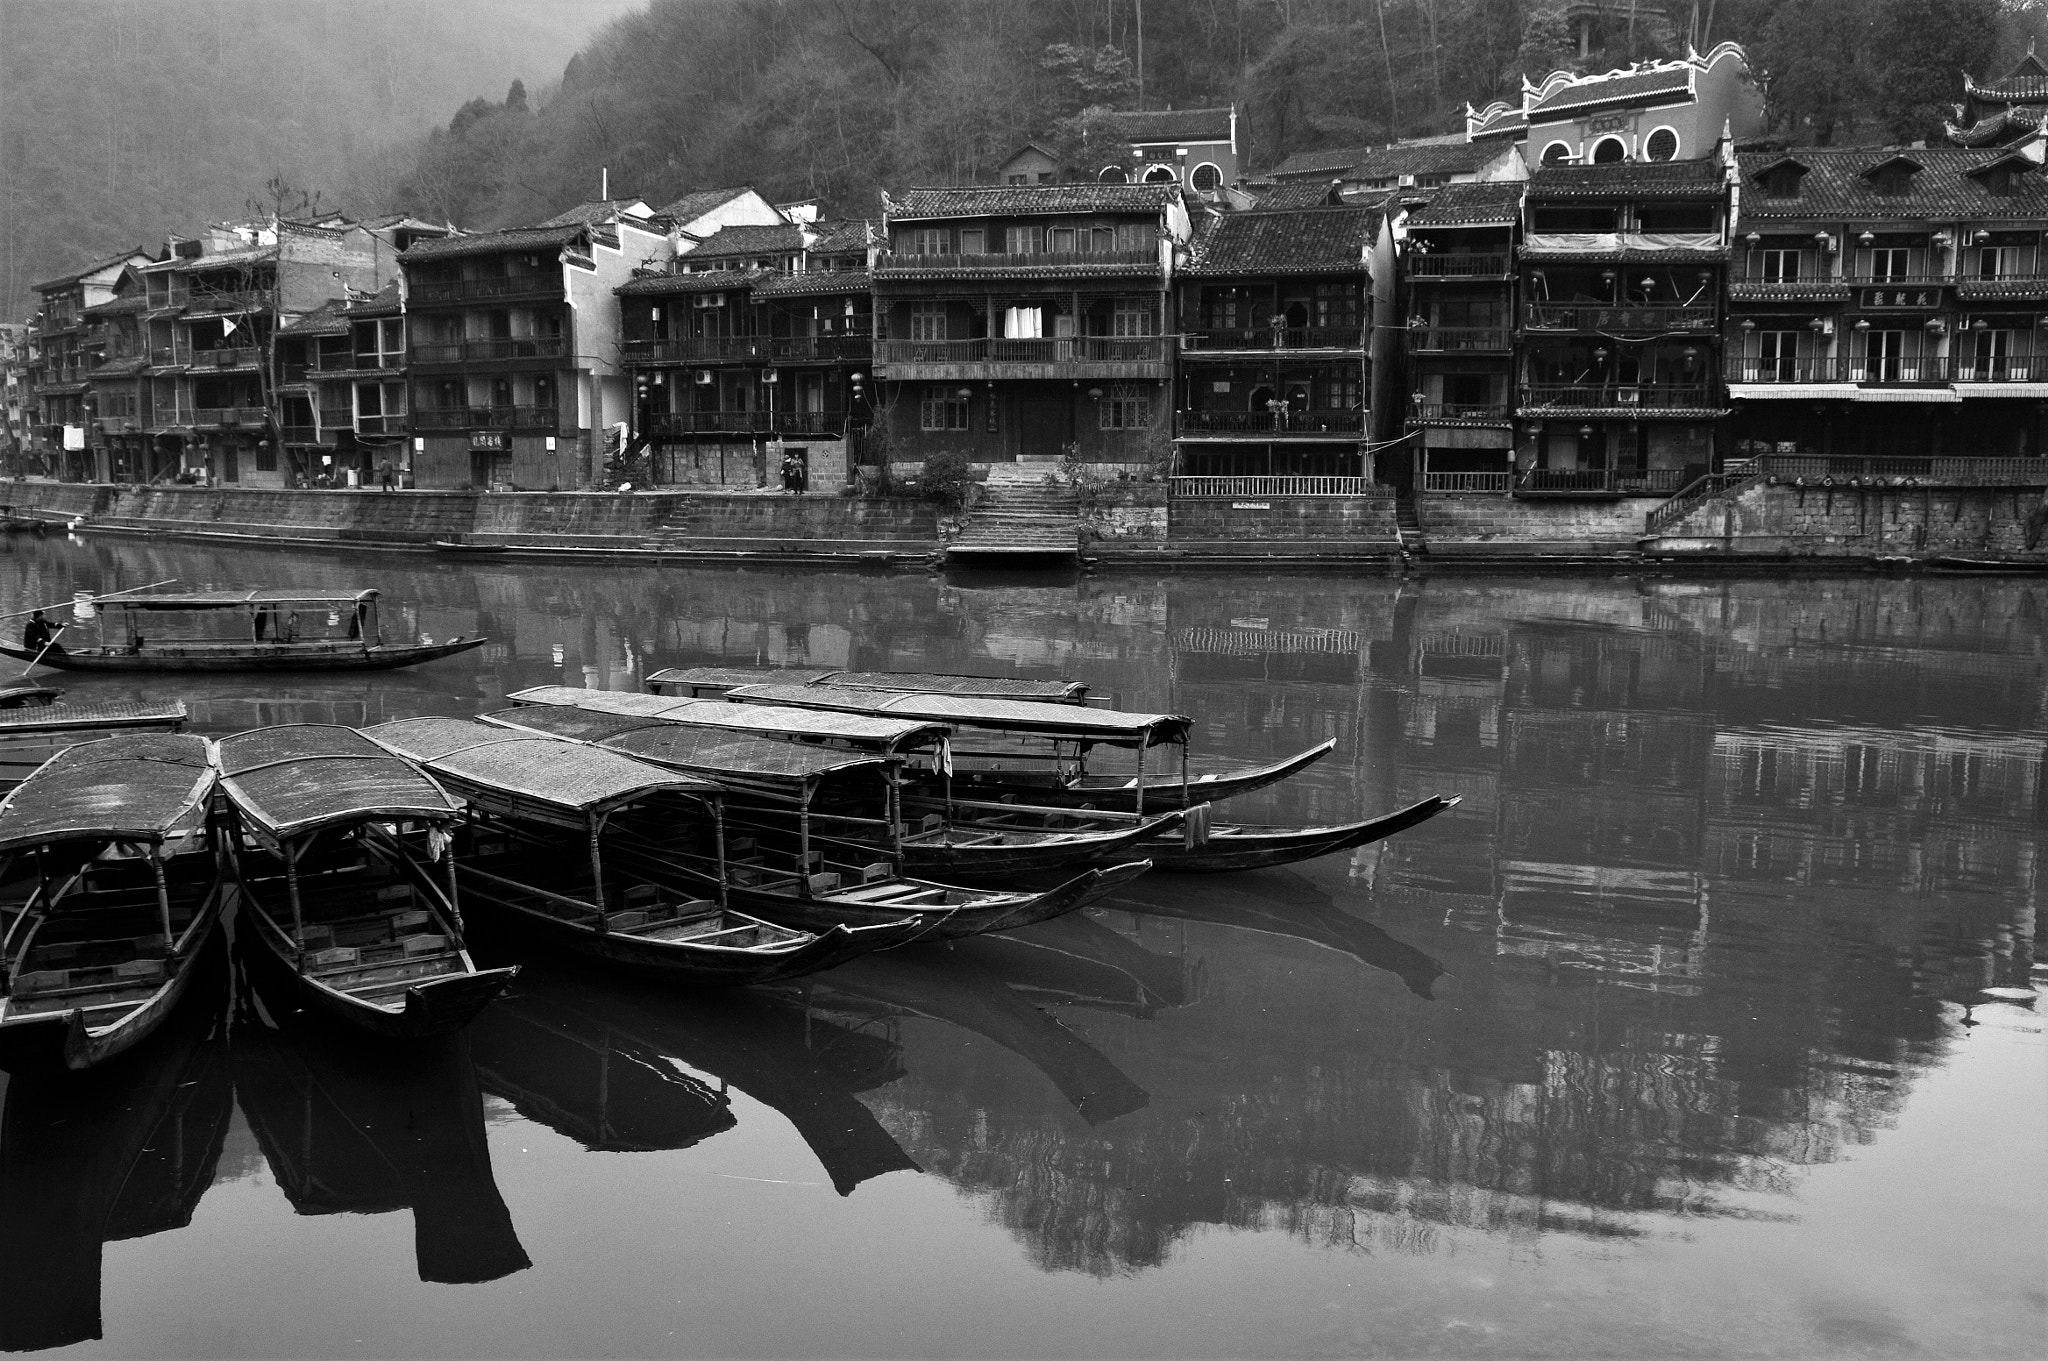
{"x":1863,"y":522}
{"x":1481,"y":526}
{"x":668,"y":523}
{"x":1139,"y":521}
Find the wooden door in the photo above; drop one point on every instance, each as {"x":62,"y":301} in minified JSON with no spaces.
{"x":1043,"y":426}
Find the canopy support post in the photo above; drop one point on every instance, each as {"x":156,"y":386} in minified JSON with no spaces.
{"x":597,"y":872}
{"x":163,"y":900}
{"x":454,"y":903}
{"x":1185,"y":800}
{"x":291,"y":881}
{"x":1142,"y":749}
{"x":803,"y":842}
{"x":896,"y":814}
{"x":718,"y":841}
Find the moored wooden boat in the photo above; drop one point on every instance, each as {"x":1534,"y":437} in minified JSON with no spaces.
{"x":802,"y":862}
{"x":333,"y":890}
{"x":1959,"y":564}
{"x":239,"y":631}
{"x":24,"y":694}
{"x":712,"y":682}
{"x":532,"y":797}
{"x":120,"y":886}
{"x":32,"y":734}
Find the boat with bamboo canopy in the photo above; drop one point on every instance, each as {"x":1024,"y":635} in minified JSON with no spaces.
{"x":813,"y":835}
{"x":111,"y":884}
{"x":545,"y":817}
{"x":333,"y":852}
{"x":713,"y":682}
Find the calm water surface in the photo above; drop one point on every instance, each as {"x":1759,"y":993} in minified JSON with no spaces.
{"x":1706,"y":1025}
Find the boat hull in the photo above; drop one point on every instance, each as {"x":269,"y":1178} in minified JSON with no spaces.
{"x":1098,"y":791}
{"x":1034,"y":853}
{"x":60,"y":1041}
{"x":827,"y":911}
{"x":434,"y":1006}
{"x":256,"y":657}
{"x":1250,"y":847}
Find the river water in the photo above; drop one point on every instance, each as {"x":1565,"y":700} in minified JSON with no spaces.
{"x":1706,"y":1025}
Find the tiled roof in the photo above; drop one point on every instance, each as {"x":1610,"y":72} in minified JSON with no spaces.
{"x":1328,"y":162}
{"x":781,"y":238}
{"x":813,"y":282}
{"x":1300,"y":194}
{"x":1472,"y":205}
{"x":710,"y":281}
{"x":1302,"y":241}
{"x":591,"y":213}
{"x":2026,"y":82}
{"x":385,"y":302}
{"x":2004,"y":126}
{"x":1835,"y":186}
{"x":1501,"y":120}
{"x":324,"y":320}
{"x":1174,"y":125}
{"x":66,"y":280}
{"x":1627,"y":180}
{"x":132,"y":301}
{"x":219,"y":259}
{"x":1021,"y":200}
{"x":842,"y":235}
{"x":121,"y":368}
{"x":1621,"y":87}
{"x":695,"y":204}
{"x":495,"y":243}
{"x":1424,"y":158}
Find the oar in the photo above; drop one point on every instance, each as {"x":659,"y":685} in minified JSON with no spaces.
{"x":110,"y":595}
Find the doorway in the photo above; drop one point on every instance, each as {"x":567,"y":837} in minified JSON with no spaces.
{"x":1044,"y":425}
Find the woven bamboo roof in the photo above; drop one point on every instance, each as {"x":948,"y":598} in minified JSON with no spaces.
{"x":63,"y":717}
{"x":768,"y":721}
{"x":539,"y":770}
{"x":905,"y":682}
{"x":131,"y":787}
{"x":732,"y":759}
{"x":1069,"y":721}
{"x":220,"y":600}
{"x":294,"y":779}
{"x":557,"y":720}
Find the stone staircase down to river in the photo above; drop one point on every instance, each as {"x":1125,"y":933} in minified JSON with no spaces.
{"x":1023,"y":512}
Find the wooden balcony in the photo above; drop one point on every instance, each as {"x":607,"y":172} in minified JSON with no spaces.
{"x":495,"y":349}
{"x":428,"y":292}
{"x":1230,"y":488}
{"x":992,"y":264}
{"x":1468,"y":484}
{"x":229,"y":417}
{"x":1459,"y":339}
{"x":1905,"y":369}
{"x":1617,"y":398}
{"x":1457,"y":266}
{"x":1647,"y":318}
{"x":751,"y":350}
{"x":170,"y":356}
{"x":1273,"y":424}
{"x":1068,"y":357}
{"x":231,"y":357}
{"x":1268,"y":339}
{"x":540,"y":419}
{"x":1454,"y":413}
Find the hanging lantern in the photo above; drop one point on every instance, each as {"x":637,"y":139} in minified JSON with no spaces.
{"x":1748,"y":325}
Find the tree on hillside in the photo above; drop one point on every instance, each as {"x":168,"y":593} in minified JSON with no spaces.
{"x":1813,"y":56}
{"x":1919,"y":50}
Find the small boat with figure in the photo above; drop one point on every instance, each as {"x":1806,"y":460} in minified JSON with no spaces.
{"x":110,"y":886}
{"x":333,"y":847}
{"x":263,"y":630}
{"x":545,"y":820}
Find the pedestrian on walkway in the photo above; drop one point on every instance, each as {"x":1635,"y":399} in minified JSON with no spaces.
{"x":384,"y":475}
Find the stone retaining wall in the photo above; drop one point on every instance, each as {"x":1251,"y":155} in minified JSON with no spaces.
{"x":1863,"y":522}
{"x":1486,"y":525}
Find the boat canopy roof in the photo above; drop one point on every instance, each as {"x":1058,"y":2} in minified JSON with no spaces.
{"x":733,"y":759}
{"x":783,"y":722}
{"x":902,"y":682}
{"x":72,"y":717}
{"x":234,"y":600}
{"x":301,"y":777}
{"x":543,"y":773}
{"x":132,"y":787}
{"x":1071,"y":722}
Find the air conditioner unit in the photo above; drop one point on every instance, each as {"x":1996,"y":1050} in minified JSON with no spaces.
{"x":708,"y":300}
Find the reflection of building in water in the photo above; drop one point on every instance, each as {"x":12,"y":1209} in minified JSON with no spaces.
{"x":88,"y":1159}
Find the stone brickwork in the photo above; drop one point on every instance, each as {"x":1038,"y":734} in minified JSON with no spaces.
{"x":1864,"y":522}
{"x":1315,"y":526}
{"x":1487,"y":525}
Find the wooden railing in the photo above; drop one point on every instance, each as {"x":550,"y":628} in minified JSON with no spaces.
{"x":1460,"y":411}
{"x":227,"y":357}
{"x":758,"y":349}
{"x":228,"y":299}
{"x":547,"y":284}
{"x":1621,"y":396}
{"x":1455,"y":338}
{"x":1456,"y":266}
{"x":229,"y":415}
{"x":543,"y":418}
{"x":1273,"y":422}
{"x":497,"y":347}
{"x":170,"y":354}
{"x":1231,"y":487}
{"x":1850,"y":470}
{"x":1133,"y":261}
{"x":1276,"y":338}
{"x":1613,"y":317}
{"x":1564,"y":481}
{"x":1060,"y":350}
{"x":1467,"y":483}
{"x":337,"y":418}
{"x":1860,"y":369}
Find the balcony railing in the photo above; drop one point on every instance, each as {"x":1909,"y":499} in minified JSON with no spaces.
{"x":1452,"y":339}
{"x":545,"y":285}
{"x":1231,"y":487}
{"x":1456,"y":266}
{"x":1468,"y":483}
{"x":356,"y":363}
{"x":170,"y":354}
{"x":1461,"y":411}
{"x":157,"y":299}
{"x":1007,"y":262}
{"x":1612,"y":317}
{"x":663,"y":424}
{"x":1854,"y":369}
{"x":756,"y":349}
{"x":1565,"y":482}
{"x":1311,"y":422}
{"x":228,"y":299}
{"x":390,"y":423}
{"x":300,"y":434}
{"x":229,"y":415}
{"x":167,"y":414}
{"x":1063,"y":350}
{"x":1620,"y":396}
{"x":543,"y":418}
{"x":498,"y":347}
{"x":228,"y":357}
{"x":1818,"y":469}
{"x":1276,"y":338}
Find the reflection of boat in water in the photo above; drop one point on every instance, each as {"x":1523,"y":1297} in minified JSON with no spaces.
{"x":966,"y":986}
{"x":591,"y":1057}
{"x":353,"y":1128}
{"x":1284,"y":904}
{"x":122,"y":1152}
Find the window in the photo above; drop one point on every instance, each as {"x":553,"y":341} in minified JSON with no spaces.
{"x":971,"y":239}
{"x":1782,"y":182}
{"x":1573,"y":218}
{"x":1023,"y":323}
{"x":1015,"y":179}
{"x":1133,"y":317}
{"x":1990,"y":355}
{"x":1662,"y":145}
{"x":1676,"y":217}
{"x":1124,"y":413}
{"x":1045,"y":177}
{"x":1114,"y":174}
{"x":1997,"y":262}
{"x":1890,"y":262}
{"x":1336,"y":305}
{"x":1161,"y":174}
{"x":1206,"y":177}
{"x":1775,"y":266}
{"x":1777,"y":354}
{"x":927,"y":321}
{"x":1557,"y":153}
{"x":1063,"y":240}
{"x":544,"y":393}
{"x":1221,"y":309}
{"x":266,"y":457}
{"x":1432,"y":181}
{"x":1136,"y":236}
{"x":369,"y":405}
{"x":942,"y":409}
{"x":930,"y":241}
{"x":1023,"y":240}
{"x":1884,"y":354}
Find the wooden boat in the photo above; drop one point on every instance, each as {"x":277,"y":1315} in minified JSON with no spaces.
{"x":333,"y":890}
{"x":126,"y":888}
{"x":1019,"y":749}
{"x":1956,"y":564}
{"x":797,"y":862}
{"x":465,"y":548}
{"x":239,"y":631}
{"x":13,"y":520}
{"x":714,"y":682}
{"x":32,"y":734}
{"x":531,"y":797}
{"x":24,"y":694}
{"x":1204,"y":847}
{"x":770,"y":778}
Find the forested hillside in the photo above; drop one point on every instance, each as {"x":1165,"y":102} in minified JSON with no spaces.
{"x":121,"y":120}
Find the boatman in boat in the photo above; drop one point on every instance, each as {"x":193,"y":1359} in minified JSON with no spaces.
{"x":38,"y":636}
